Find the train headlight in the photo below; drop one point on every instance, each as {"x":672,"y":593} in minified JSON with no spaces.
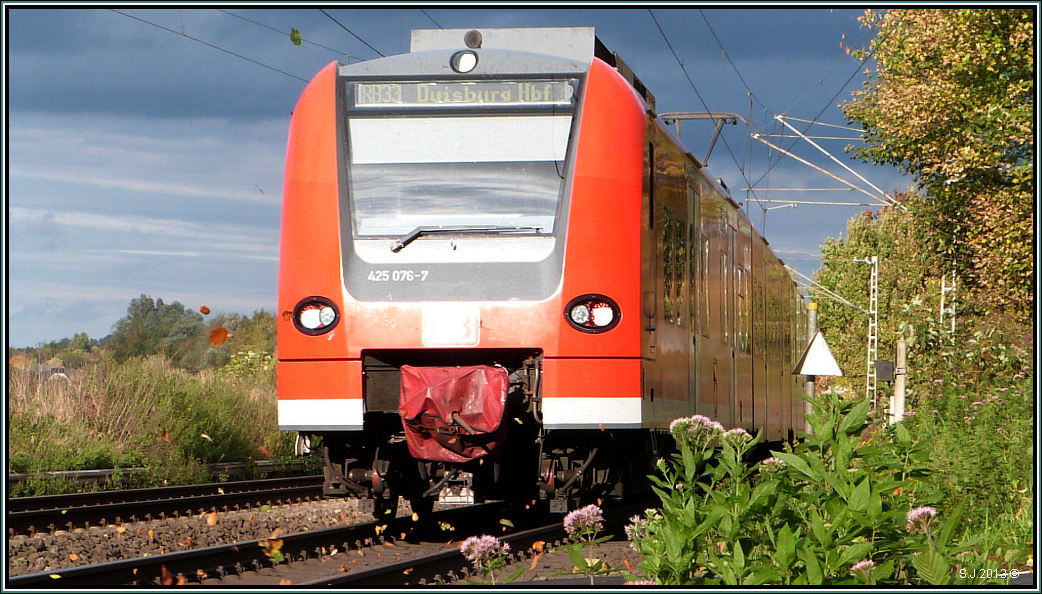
{"x":463,"y":61}
{"x":592,"y":313}
{"x":580,"y":314}
{"x":315,"y":315}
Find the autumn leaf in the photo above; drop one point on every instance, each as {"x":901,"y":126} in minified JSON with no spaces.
{"x":273,"y":549}
{"x":211,"y":519}
{"x":166,"y":578}
{"x":73,"y":556}
{"x":294,"y":36}
{"x":538,"y":545}
{"x":218,"y":336}
{"x":285,"y":582}
{"x":204,"y":310}
{"x":264,"y":451}
{"x":165,"y":436}
{"x":535,"y":560}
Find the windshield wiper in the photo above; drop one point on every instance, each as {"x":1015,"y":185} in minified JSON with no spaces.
{"x":439,"y":229}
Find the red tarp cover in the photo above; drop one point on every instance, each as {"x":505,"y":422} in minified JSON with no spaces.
{"x":430,"y":396}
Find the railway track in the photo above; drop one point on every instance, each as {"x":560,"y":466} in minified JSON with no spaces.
{"x":28,"y":515}
{"x":398,"y":552}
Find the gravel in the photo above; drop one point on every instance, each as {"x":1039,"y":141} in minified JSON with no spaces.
{"x":64,"y":549}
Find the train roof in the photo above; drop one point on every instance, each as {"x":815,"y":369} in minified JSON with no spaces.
{"x":580,"y":44}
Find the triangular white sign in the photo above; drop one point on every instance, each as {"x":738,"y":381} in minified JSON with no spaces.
{"x":817,"y":359}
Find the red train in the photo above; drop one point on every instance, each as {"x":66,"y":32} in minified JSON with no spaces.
{"x":502,"y":276}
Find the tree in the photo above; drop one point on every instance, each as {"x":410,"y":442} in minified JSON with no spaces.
{"x":909,"y":289}
{"x":951,"y":101}
{"x":152,"y":327}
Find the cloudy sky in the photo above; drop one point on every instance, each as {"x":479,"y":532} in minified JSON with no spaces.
{"x":145,"y":146}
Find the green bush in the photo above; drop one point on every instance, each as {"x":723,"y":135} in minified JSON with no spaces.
{"x":844,"y":507}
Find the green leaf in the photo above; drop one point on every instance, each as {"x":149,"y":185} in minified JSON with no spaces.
{"x":575,"y":553}
{"x":814,"y":575}
{"x":797,"y":463}
{"x":785,"y":548}
{"x":932,"y":567}
{"x":294,"y":36}
{"x":855,"y":419}
{"x":514,"y":576}
{"x":859,"y":498}
{"x":902,"y":434}
{"x":855,"y":552}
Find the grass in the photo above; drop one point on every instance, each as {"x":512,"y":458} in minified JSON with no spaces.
{"x":142,"y":413}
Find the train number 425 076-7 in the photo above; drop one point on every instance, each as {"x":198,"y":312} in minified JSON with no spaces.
{"x":397,"y":276}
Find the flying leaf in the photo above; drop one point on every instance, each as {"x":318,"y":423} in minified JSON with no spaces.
{"x":204,"y":310}
{"x":264,"y":451}
{"x":167,"y":577}
{"x":294,"y":36}
{"x":165,"y":436}
{"x":538,"y":545}
{"x":73,"y":556}
{"x":535,"y":561}
{"x":55,"y":576}
{"x":506,"y":522}
{"x":211,"y":519}
{"x":273,"y":549}
{"x":218,"y":336}
{"x":206,"y":437}
{"x":285,"y":582}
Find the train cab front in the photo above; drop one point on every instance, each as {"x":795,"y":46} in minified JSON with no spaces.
{"x":455,"y":259}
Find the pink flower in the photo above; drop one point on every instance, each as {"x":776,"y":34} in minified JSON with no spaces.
{"x":938,"y":382}
{"x":481,"y":549}
{"x":919,"y":518}
{"x":584,"y":520}
{"x":863,"y":567}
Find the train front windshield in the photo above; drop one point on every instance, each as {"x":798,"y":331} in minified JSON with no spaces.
{"x":451,"y":153}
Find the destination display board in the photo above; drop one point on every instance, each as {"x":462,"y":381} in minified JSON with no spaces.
{"x":471,"y":93}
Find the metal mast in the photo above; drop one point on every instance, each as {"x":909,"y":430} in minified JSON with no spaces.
{"x":873,"y":327}
{"x":950,"y":309}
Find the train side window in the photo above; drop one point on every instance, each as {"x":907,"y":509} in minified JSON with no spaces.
{"x":740,"y":330}
{"x":651,"y":185}
{"x":725,"y":317}
{"x":679,"y":268}
{"x":692,"y":278}
{"x":669,"y":269}
{"x":703,"y":283}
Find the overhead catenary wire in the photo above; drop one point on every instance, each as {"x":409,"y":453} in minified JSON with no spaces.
{"x":822,"y":289}
{"x":431,"y":18}
{"x":814,"y":121}
{"x":330,"y":17}
{"x":270,"y":28}
{"x":208,"y":44}
{"x":680,"y":63}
